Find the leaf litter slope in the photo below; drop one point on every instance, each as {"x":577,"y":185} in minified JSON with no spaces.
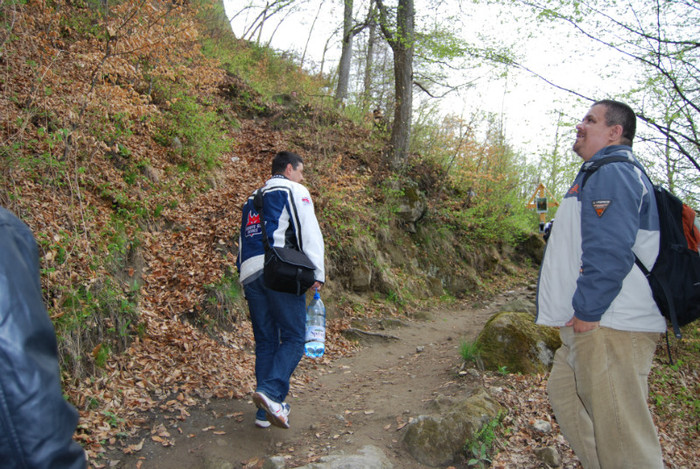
{"x":175,"y":364}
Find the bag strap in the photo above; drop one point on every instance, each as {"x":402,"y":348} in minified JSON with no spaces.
{"x":592,"y":166}
{"x":259,"y":205}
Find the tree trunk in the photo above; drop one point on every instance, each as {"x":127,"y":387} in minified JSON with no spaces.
{"x":402,"y":45}
{"x":341,"y":92}
{"x":367,"y":81}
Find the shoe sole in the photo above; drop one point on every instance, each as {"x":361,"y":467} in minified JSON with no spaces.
{"x":262,"y":402}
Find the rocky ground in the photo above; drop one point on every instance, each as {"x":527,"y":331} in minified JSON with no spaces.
{"x":359,"y":405}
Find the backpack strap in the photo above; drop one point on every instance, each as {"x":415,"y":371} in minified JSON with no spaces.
{"x":591,"y":167}
{"x":258,"y":205}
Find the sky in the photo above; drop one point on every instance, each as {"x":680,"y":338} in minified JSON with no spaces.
{"x":529,"y":107}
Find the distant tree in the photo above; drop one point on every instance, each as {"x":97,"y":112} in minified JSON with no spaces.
{"x":556,"y":167}
{"x":662,"y":38}
{"x":421,"y":57}
{"x":311,"y":31}
{"x":672,"y":167}
{"x":490,"y":174}
{"x":373,"y":70}
{"x":270,"y":10}
{"x":399,"y":31}
{"x":350,"y":30}
{"x":369,"y":58}
{"x":341,"y":91}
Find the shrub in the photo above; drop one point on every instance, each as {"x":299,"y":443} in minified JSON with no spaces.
{"x":200,"y":131}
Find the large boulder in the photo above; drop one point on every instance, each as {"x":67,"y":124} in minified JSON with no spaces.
{"x":514,"y":341}
{"x":437,"y":439}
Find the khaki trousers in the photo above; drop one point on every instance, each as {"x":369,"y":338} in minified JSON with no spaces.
{"x":598,"y":390}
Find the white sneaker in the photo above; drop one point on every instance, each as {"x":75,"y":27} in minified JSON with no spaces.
{"x":262,"y":423}
{"x":277,"y":413}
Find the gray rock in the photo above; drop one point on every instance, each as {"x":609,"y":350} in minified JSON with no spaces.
{"x":275,"y":462}
{"x":216,"y":462}
{"x":152,"y":174}
{"x":411,"y":205}
{"x":435,"y":440}
{"x":434,"y":285}
{"x":391,"y":323}
{"x":361,"y":277}
{"x":370,"y":457}
{"x":549,"y":455}
{"x":176,"y":145}
{"x":542,"y":426}
{"x":532,"y":248}
{"x":519,"y":305}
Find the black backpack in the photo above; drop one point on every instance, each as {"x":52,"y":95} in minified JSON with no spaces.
{"x":675,"y":276}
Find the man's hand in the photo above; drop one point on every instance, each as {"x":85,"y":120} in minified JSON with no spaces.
{"x":582,"y":326}
{"x":316,"y":286}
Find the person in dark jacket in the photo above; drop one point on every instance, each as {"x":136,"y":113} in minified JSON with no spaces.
{"x":36,"y":423}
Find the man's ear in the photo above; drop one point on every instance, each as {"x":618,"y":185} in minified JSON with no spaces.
{"x":616,"y":133}
{"x":288,"y":170}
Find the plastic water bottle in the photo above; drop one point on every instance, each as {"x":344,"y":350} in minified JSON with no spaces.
{"x":315,"y":327}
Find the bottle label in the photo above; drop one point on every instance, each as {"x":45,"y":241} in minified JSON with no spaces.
{"x":315,"y":333}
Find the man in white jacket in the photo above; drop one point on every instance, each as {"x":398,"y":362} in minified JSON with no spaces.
{"x":592,"y":290}
{"x":278,"y":318}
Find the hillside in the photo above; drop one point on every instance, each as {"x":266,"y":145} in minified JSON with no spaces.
{"x":128,"y":148}
{"x":132,"y":133}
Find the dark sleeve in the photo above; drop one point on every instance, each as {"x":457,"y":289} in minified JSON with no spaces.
{"x":36,"y":423}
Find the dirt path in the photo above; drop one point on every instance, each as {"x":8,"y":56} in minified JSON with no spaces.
{"x":361,"y":400}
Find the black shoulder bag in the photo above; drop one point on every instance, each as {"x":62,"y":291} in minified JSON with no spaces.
{"x":286,"y":270}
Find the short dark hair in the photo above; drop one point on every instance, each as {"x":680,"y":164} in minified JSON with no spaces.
{"x":282,"y":159}
{"x":617,"y":113}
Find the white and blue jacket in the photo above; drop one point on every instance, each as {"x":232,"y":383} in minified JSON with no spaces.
{"x":290,"y":222}
{"x":589,"y":268}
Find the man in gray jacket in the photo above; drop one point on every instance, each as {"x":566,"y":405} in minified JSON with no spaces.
{"x":36,"y":423}
{"x":592,"y":290}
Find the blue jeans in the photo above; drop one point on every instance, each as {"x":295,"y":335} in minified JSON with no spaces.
{"x":279,"y":326}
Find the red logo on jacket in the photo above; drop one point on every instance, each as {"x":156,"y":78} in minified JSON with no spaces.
{"x":253,"y":219}
{"x":252,"y":226}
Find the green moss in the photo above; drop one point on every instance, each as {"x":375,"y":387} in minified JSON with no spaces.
{"x":514,"y":341}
